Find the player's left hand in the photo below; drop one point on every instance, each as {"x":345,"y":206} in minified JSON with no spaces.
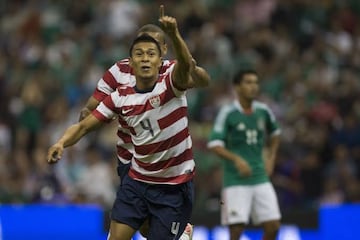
{"x":167,"y":23}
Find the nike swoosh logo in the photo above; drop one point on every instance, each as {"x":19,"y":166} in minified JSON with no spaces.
{"x":125,"y":111}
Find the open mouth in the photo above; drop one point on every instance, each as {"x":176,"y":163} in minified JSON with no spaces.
{"x":145,"y":68}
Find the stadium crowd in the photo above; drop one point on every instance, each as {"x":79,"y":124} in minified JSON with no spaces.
{"x":52,"y":53}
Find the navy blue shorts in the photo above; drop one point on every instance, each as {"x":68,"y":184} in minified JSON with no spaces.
{"x":123,"y":169}
{"x":168,"y":207}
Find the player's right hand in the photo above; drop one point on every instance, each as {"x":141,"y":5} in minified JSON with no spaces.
{"x":243,"y":168}
{"x":55,"y":153}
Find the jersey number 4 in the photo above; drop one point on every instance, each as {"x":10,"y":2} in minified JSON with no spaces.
{"x":146,"y":125}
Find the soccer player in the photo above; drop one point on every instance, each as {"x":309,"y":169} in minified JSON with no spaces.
{"x":122,"y":74}
{"x":238,"y":136}
{"x":154,"y":111}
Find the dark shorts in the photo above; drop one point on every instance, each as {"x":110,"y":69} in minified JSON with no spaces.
{"x":123,"y":169}
{"x":168,"y":207}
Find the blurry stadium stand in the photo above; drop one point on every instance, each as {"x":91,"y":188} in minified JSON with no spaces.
{"x":73,"y":222}
{"x":70,"y":222}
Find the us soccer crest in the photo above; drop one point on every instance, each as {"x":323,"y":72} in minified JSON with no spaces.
{"x":155,"y":101}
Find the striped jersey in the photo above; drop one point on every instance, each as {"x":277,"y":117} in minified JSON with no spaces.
{"x":118,"y":75}
{"x":158,"y":125}
{"x":244,"y":134}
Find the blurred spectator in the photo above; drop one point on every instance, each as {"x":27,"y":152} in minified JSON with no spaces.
{"x":332,"y":195}
{"x":95,"y":181}
{"x":311,"y":177}
{"x":123,"y":17}
{"x":342,"y":166}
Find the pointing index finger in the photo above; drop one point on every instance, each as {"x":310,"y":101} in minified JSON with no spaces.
{"x":161,"y":11}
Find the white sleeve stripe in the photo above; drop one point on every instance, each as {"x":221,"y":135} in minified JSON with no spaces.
{"x":216,"y":143}
{"x":221,"y":118}
{"x":276,"y":132}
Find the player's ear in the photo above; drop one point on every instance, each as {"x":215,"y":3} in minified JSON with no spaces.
{"x":164,"y":49}
{"x":160,"y":62}
{"x":130,"y":62}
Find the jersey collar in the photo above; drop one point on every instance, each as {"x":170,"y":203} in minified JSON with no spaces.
{"x":241,"y":109}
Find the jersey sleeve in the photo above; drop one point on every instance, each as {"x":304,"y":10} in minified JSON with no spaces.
{"x":219,"y":131}
{"x":177,"y":92}
{"x":118,"y":74}
{"x":166,"y":65}
{"x":106,"y":85}
{"x":107,"y":109}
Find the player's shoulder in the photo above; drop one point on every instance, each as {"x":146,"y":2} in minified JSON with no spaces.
{"x":123,"y":66}
{"x":261,"y":105}
{"x":224,"y":114}
{"x":124,"y":61}
{"x":227,"y":108}
{"x":167,"y":65}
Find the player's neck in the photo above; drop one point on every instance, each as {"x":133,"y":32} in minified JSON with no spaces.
{"x":145,"y":85}
{"x":246,"y":105}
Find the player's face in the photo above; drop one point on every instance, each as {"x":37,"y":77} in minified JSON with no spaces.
{"x":248,"y":88}
{"x":145,"y":60}
{"x":159,"y":38}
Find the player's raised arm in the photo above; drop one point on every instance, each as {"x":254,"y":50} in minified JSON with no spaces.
{"x":199,"y":76}
{"x":181,"y":74}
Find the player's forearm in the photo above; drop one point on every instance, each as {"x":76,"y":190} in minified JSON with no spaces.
{"x":274,"y":145}
{"x":273,"y":149}
{"x":73,"y":134}
{"x":225,"y":154}
{"x":182,"y":52}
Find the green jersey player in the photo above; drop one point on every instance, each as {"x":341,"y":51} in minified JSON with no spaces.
{"x":239,"y":136}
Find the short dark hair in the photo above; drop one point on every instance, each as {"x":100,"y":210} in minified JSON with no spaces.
{"x":239,"y":76}
{"x":151,"y":28}
{"x":144,"y":38}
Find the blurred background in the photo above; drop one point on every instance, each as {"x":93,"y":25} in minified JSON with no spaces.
{"x":307,"y":53}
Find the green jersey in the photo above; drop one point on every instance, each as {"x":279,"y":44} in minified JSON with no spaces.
{"x":244,"y":134}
